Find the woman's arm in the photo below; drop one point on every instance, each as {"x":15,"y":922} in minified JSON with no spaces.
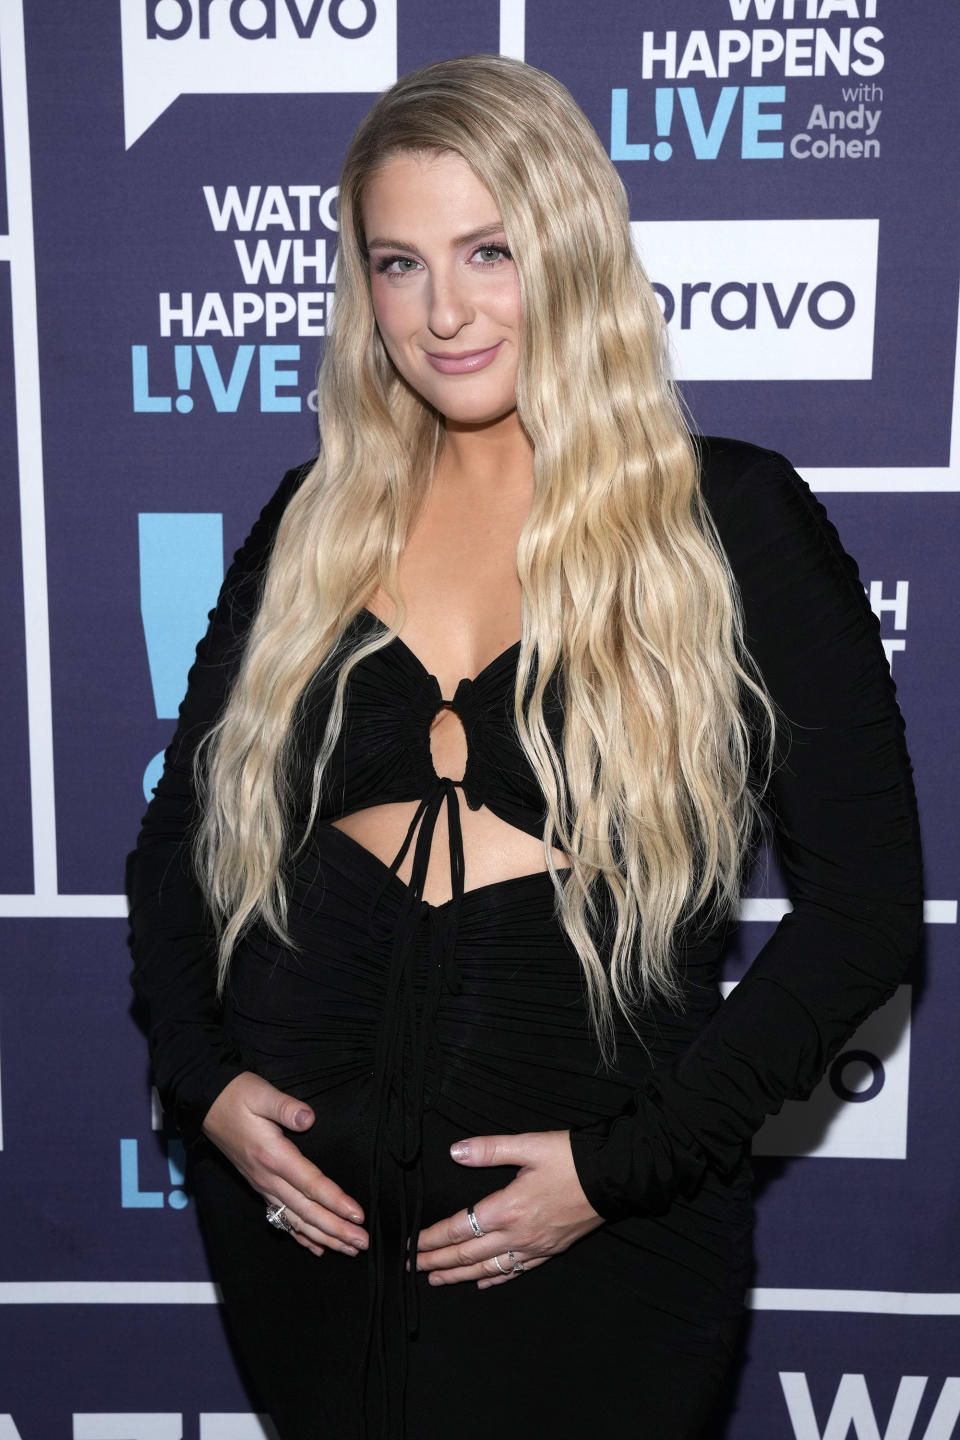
{"x":845,"y":824}
{"x":200,"y":1076}
{"x":172,"y":938}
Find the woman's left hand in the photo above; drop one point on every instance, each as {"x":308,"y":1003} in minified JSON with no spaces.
{"x":540,"y":1213}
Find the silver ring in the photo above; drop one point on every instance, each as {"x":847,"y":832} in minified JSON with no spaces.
{"x":515,"y":1264}
{"x":474,"y":1223}
{"x":277,"y":1218}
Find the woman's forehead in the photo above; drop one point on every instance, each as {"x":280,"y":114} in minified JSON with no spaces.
{"x":421,"y":191}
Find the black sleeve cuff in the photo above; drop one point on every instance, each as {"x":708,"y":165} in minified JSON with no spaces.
{"x":636,"y":1162}
{"x":188,"y":1108}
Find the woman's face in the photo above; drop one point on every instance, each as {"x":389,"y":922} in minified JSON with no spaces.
{"x":445,"y":290}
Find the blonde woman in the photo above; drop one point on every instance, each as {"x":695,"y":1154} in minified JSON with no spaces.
{"x":428,"y":907}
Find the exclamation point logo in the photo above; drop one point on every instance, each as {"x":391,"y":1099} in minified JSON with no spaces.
{"x":181,"y":571}
{"x":183,"y":364}
{"x":663,"y":111}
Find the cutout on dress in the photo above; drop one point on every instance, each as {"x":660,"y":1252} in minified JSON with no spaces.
{"x":493,"y":850}
{"x":448,"y":743}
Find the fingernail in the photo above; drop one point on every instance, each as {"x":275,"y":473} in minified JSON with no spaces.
{"x":356,"y":1217}
{"x":301,"y":1118}
{"x":461,"y":1150}
{"x":435,"y":1280}
{"x":360,"y":1244}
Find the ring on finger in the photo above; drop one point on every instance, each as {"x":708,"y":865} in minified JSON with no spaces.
{"x":516,"y":1266}
{"x":474,"y":1224}
{"x":277,"y":1218}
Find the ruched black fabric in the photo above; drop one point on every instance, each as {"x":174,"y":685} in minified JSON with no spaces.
{"x":407,"y":1026}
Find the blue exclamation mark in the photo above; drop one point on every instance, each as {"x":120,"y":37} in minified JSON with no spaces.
{"x":183,"y":363}
{"x":176,"y":1164}
{"x":663,"y":108}
{"x":181,"y":571}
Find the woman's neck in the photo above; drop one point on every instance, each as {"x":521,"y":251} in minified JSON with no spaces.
{"x":496,"y":457}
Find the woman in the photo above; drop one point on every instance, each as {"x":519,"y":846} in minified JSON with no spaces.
{"x":469,"y":891}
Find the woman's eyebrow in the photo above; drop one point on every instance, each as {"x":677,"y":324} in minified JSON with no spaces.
{"x":382,"y":242}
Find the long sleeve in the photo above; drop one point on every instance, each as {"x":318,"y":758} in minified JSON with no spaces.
{"x":172,"y":936}
{"x":844,"y":822}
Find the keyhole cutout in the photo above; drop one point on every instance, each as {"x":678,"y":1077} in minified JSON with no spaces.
{"x":448,"y":743}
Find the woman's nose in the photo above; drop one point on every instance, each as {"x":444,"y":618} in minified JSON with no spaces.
{"x":450,"y":306}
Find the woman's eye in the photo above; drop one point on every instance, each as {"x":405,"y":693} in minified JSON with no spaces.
{"x":491,"y":254}
{"x":396,"y":265}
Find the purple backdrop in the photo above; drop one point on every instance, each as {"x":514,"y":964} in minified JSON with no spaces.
{"x":165,"y":247}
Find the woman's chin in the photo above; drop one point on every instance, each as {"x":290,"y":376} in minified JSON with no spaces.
{"x":478,"y":418}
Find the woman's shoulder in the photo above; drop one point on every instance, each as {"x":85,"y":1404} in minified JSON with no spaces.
{"x":243,"y":584}
{"x":256,"y":548}
{"x":731,"y":470}
{"x":782,"y":546}
{"x":286,"y":490}
{"x":755,"y":495}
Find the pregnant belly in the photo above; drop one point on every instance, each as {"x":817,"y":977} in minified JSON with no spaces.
{"x":494,"y":1048}
{"x":506,"y":1046}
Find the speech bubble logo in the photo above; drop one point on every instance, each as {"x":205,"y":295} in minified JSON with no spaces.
{"x":765,"y":299}
{"x":181,"y":570}
{"x":251,"y":47}
{"x":859,"y":1110}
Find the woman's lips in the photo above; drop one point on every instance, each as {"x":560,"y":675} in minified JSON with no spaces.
{"x":464,"y":362}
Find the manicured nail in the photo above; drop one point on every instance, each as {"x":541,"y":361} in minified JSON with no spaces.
{"x":461,"y":1150}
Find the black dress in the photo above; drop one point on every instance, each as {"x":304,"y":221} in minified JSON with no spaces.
{"x":407,"y":1026}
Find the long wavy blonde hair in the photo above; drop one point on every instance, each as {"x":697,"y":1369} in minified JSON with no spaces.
{"x":623,"y":579}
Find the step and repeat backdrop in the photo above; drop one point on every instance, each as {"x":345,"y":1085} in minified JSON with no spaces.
{"x":168,"y":241}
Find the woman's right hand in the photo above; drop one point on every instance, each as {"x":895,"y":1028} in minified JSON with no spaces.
{"x":246,"y":1122}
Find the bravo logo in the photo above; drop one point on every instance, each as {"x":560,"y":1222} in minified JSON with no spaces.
{"x":765,"y":299}
{"x":853,"y":1413}
{"x":253,"y":47}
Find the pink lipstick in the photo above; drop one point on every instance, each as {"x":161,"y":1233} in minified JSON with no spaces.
{"x":463,"y":363}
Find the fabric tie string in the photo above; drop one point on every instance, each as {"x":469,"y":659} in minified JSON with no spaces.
{"x":407,"y":1054}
